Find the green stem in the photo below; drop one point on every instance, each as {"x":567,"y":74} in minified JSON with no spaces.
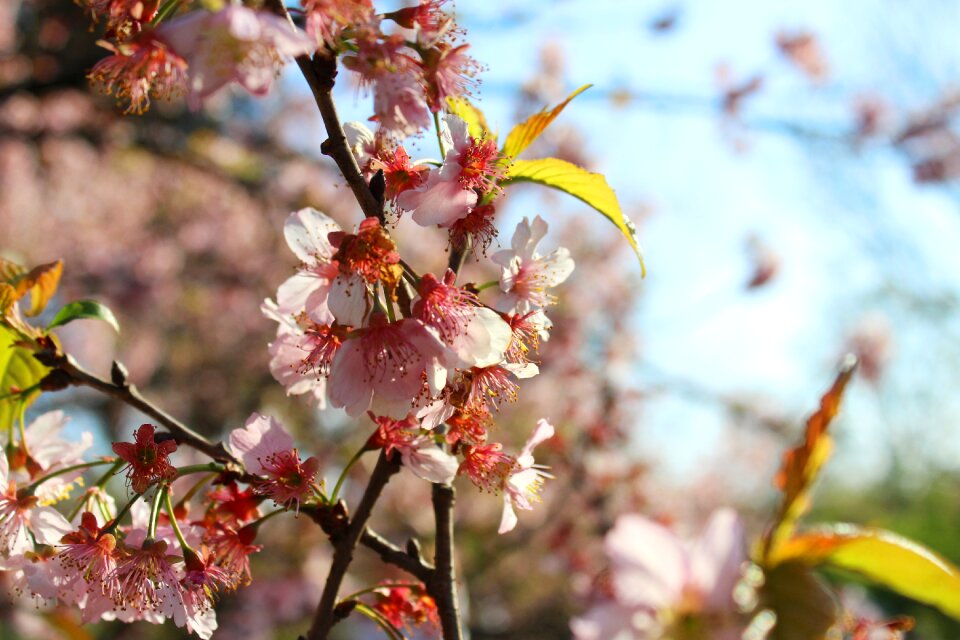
{"x":264,"y":518}
{"x":343,"y":475}
{"x":22,"y":421}
{"x":436,"y":123}
{"x":380,"y":621}
{"x":123,"y":512}
{"x":487,"y":285}
{"x":200,"y":468}
{"x":168,"y":9}
{"x":195,"y":488}
{"x":22,"y":392}
{"x":99,"y":484}
{"x":173,"y":522}
{"x":30,"y":488}
{"x":155,"y":512}
{"x":408,"y":585}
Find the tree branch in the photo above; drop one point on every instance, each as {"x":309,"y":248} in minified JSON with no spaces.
{"x":344,"y":543}
{"x":67,"y":372}
{"x":442,"y":585}
{"x":409,"y":560}
{"x":320,"y":72}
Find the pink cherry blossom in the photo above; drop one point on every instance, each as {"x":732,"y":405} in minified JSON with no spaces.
{"x":48,"y":451}
{"x":448,"y":73}
{"x":307,"y":233}
{"x":478,"y":335}
{"x":525,"y":275}
{"x":266,"y":449}
{"x":660,"y":579}
{"x":419,"y":453}
{"x":399,"y":104}
{"x":141,"y":68}
{"x":450,"y":192}
{"x":326,"y":19}
{"x":521,"y":489}
{"x":23,"y":520}
{"x":235,"y":44}
{"x":382,"y":368}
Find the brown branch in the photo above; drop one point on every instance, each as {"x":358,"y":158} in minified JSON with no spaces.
{"x":320,"y":72}
{"x":344,"y":543}
{"x":67,"y":372}
{"x":442,"y":585}
{"x":409,"y":560}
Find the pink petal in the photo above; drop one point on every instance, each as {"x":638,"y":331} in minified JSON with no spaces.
{"x":650,"y":564}
{"x":717,"y":559}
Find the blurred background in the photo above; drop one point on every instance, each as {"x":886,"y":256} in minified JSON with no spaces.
{"x":793,"y":170}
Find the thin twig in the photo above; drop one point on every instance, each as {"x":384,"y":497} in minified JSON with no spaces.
{"x":442,"y":585}
{"x":344,"y":544}
{"x":320,"y":72}
{"x":70,"y":372}
{"x":409,"y":560}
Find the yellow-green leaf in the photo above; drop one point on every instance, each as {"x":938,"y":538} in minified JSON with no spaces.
{"x":19,"y":370}
{"x":522,"y":135}
{"x":41,"y":283}
{"x":469,"y":113}
{"x":882,"y":557}
{"x":591,"y":188}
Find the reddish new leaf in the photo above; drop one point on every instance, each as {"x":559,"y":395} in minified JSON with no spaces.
{"x":802,"y":464}
{"x":41,"y":283}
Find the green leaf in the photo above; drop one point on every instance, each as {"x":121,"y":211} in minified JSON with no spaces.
{"x":522,"y":135}
{"x":85,"y":309}
{"x":804,"y":608}
{"x":882,"y":557}
{"x":591,"y":188}
{"x":476,"y":122}
{"x":18,"y":370}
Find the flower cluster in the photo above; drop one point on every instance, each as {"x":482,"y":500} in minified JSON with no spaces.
{"x":194,"y":54}
{"x":344,"y":338}
{"x":163,"y":564}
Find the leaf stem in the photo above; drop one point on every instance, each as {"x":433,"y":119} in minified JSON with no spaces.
{"x":343,"y":475}
{"x":30,"y":488}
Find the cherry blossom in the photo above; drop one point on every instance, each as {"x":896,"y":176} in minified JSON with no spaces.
{"x":525,"y":275}
{"x":521,"y":489}
{"x":419,"y":453}
{"x":661,"y":580}
{"x":23,"y":520}
{"x":147,"y":458}
{"x":235,"y":44}
{"x":266,"y":449}
{"x":477,"y":334}
{"x":140,"y":68}
{"x":450,"y":192}
{"x":382,"y":368}
{"x":44,"y":451}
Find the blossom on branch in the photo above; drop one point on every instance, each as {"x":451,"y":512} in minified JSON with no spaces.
{"x":521,"y":488}
{"x":525,"y":275}
{"x":234,"y":44}
{"x":147,"y":458}
{"x":266,"y":449}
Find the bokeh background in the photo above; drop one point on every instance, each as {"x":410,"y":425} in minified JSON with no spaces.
{"x":792,"y":167}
